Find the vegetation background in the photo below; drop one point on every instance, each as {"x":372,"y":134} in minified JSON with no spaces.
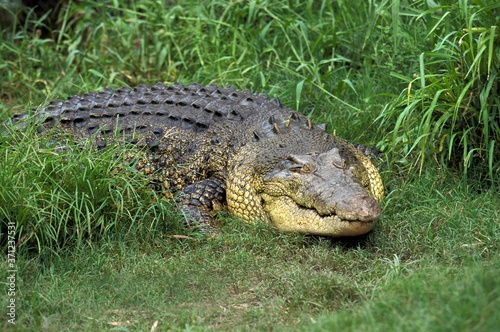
{"x":418,"y":79}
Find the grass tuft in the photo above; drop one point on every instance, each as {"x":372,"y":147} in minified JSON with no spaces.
{"x":65,"y":195}
{"x":449,"y":110}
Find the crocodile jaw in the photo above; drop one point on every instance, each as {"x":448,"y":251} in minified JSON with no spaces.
{"x":287,"y":216}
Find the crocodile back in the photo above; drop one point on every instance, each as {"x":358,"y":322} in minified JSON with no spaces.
{"x":152,"y":111}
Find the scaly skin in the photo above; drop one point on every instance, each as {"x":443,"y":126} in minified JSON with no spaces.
{"x":214,"y":147}
{"x":309,"y":192}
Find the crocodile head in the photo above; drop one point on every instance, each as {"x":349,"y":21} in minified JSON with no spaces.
{"x":319,"y":193}
{"x":334,"y":192}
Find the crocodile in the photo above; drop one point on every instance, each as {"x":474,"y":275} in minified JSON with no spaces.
{"x":213,"y":148}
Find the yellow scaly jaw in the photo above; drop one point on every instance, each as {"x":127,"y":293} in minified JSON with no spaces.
{"x":287,"y":216}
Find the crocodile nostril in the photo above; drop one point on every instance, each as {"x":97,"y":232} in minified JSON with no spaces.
{"x":360,"y":207}
{"x":369,"y":208}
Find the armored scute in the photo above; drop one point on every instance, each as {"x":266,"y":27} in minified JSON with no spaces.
{"x":214,"y":147}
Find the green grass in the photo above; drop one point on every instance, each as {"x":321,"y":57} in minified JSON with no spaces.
{"x":97,"y":250}
{"x":419,"y":267}
{"x":453,"y":299}
{"x":449,"y":110}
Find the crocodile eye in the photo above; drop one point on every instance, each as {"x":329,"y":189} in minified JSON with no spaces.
{"x":306,"y":169}
{"x":301,"y":168}
{"x":340,"y":163}
{"x":297,"y":165}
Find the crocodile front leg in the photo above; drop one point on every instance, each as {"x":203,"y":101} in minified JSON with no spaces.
{"x":199,"y":202}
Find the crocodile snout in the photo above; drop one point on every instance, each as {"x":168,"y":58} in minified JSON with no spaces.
{"x":355,"y":207}
{"x":361,"y":207}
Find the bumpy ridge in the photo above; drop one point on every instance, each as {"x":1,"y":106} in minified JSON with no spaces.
{"x":189,"y":107}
